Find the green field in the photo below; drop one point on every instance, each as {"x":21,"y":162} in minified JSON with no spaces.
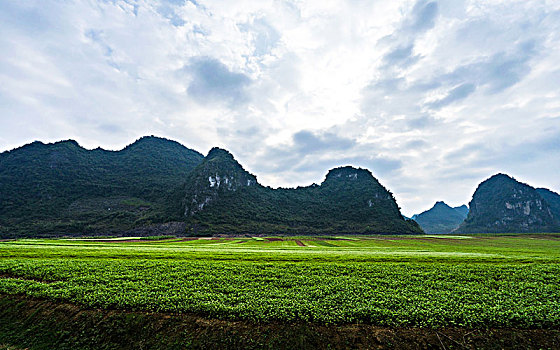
{"x":397,"y":281}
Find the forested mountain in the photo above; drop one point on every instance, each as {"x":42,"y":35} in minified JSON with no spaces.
{"x":64,"y":188}
{"x":159,"y":186}
{"x":441,"y":218}
{"x":221,"y":197}
{"x":502,"y":204}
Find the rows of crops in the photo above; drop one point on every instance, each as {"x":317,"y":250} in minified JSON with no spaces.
{"x":417,"y":281}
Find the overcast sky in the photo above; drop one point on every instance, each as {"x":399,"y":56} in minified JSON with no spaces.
{"x":432,"y":96}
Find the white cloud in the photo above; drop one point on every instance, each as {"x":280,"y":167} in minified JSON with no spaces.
{"x":433,"y":96}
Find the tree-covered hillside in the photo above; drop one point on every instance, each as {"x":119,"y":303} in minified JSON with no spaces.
{"x":552,"y":198}
{"x":221,"y":197}
{"x":63,"y":188}
{"x":502,"y":204}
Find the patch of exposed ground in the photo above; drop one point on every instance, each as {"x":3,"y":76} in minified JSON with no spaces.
{"x":34,"y":323}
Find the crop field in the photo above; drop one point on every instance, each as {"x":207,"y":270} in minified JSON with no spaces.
{"x":394,"y":281}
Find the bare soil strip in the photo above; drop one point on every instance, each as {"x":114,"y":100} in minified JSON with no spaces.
{"x":33,"y":323}
{"x":189,"y":239}
{"x":300,"y":243}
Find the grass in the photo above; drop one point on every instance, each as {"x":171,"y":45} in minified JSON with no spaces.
{"x":397,"y":281}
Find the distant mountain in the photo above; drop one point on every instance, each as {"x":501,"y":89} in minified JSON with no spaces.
{"x":502,"y":204}
{"x":441,"y":218}
{"x":63,"y":188}
{"x":221,"y":197}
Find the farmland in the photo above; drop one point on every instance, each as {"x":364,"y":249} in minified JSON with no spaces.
{"x":422,"y":281}
{"x":393,"y":282}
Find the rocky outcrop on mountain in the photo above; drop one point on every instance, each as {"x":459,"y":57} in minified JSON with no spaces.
{"x":216,"y":176}
{"x":502,"y":204}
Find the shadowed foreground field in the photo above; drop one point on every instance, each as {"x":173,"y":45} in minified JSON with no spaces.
{"x":429,"y":283}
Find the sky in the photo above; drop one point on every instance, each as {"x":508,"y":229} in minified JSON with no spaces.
{"x":432,"y":96}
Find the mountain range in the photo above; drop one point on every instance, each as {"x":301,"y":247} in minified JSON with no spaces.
{"x":500,"y":204}
{"x":158,"y":186}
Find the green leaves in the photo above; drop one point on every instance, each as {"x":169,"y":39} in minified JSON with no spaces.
{"x":405,"y":282}
{"x":63,"y":188}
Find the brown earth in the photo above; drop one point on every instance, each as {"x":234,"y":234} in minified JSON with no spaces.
{"x":39,"y":324}
{"x":129,"y":240}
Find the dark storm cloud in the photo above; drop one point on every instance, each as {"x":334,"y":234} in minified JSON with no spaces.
{"x":212,"y":81}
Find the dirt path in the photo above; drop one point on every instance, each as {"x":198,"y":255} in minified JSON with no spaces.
{"x":300,"y":243}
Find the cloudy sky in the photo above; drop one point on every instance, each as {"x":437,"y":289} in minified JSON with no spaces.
{"x":432,"y":96}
